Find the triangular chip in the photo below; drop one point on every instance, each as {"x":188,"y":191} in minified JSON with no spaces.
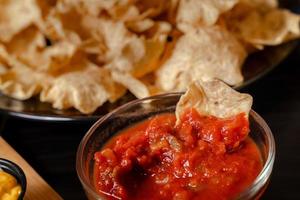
{"x":18,"y":80}
{"x":17,"y":15}
{"x":205,"y":53}
{"x":264,"y":25}
{"x":214,"y":98}
{"x":261,"y":4}
{"x":26,"y":44}
{"x":194,"y":13}
{"x":135,"y":86}
{"x":83,"y":90}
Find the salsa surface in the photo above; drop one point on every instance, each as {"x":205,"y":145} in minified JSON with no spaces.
{"x":200,"y":158}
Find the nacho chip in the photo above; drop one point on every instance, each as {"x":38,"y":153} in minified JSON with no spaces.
{"x":149,"y":63}
{"x":264,"y":25}
{"x":214,"y":98}
{"x":194,"y":13}
{"x":3,"y":67}
{"x":81,"y":89}
{"x":93,"y":46}
{"x":18,"y":80}
{"x":50,"y":60}
{"x":206,"y":53}
{"x":115,"y":90}
{"x":90,"y":7}
{"x":120,"y":43}
{"x":61,"y":21}
{"x":26,"y":44}
{"x":136,"y":87}
{"x":125,"y":11}
{"x":261,"y":4}
{"x":16,"y":16}
{"x":172,"y":11}
{"x":152,"y":8}
{"x":139,"y":26}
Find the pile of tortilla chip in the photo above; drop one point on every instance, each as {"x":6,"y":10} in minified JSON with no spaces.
{"x":83,"y":53}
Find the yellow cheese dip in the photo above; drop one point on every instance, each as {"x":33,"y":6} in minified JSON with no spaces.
{"x":9,"y":187}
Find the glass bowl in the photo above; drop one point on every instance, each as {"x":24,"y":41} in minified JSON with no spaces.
{"x":13,"y":169}
{"x":141,"y":109}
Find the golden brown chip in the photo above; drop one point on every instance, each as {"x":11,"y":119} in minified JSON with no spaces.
{"x":172,"y":11}
{"x":52,"y":59}
{"x":194,"y":13}
{"x":139,"y":26}
{"x":81,"y":89}
{"x":261,"y":23}
{"x":135,"y":55}
{"x":115,"y":90}
{"x":154,"y":49}
{"x":122,"y":46}
{"x":3,"y":67}
{"x":91,"y":7}
{"x":18,"y":80}
{"x":213,"y":98}
{"x":61,"y":21}
{"x":152,"y":8}
{"x":261,"y":4}
{"x":93,"y":46}
{"x":206,"y":53}
{"x":135,"y":86}
{"x":125,"y":11}
{"x":26,"y":44}
{"x":16,"y":16}
{"x":149,"y":63}
{"x":149,"y":81}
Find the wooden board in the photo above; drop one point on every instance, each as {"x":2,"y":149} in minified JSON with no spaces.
{"x":37,"y":187}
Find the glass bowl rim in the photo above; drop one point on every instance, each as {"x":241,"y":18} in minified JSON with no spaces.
{"x":259,"y":181}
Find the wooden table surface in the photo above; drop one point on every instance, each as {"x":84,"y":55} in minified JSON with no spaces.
{"x":37,"y":188}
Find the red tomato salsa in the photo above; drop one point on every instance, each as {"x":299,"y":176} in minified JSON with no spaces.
{"x":200,"y":158}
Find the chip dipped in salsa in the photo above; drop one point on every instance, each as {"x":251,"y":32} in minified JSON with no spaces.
{"x":201,"y":152}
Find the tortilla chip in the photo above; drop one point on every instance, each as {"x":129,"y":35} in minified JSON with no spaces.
{"x":115,"y":90}
{"x":260,"y":4}
{"x":136,"y":87}
{"x":26,"y":43}
{"x":139,"y":26}
{"x":152,"y":8}
{"x":82,"y":90}
{"x":18,"y":80}
{"x":172,"y":11}
{"x":214,"y":98}
{"x":45,"y":6}
{"x":3,"y":67}
{"x":149,"y":81}
{"x":91,"y":7}
{"x":194,"y":13}
{"x":269,"y":26}
{"x":150,"y":61}
{"x":206,"y":53}
{"x":125,"y":11}
{"x":52,"y":59}
{"x":93,"y":46}
{"x":62,"y":20}
{"x":120,"y":43}
{"x":16,"y":16}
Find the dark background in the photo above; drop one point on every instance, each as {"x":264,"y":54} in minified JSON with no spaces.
{"x":51,"y":147}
